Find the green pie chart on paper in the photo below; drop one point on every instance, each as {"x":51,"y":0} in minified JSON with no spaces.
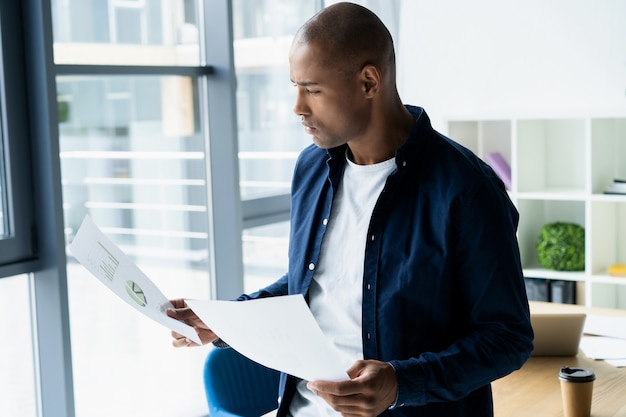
{"x":136,"y":293}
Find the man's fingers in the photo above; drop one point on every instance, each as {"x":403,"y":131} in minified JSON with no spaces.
{"x":182,"y":341}
{"x":371,"y":390}
{"x":178,"y":303}
{"x":179,"y":340}
{"x":347,"y":405}
{"x":181,"y":314}
{"x":181,"y":310}
{"x":343,"y":388}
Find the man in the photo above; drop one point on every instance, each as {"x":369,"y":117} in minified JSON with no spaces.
{"x":402,"y":241}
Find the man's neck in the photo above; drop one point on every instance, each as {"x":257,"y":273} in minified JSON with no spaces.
{"x":382,"y":142}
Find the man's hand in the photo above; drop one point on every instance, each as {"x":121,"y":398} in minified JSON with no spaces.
{"x":182,"y":312}
{"x":372,"y":388}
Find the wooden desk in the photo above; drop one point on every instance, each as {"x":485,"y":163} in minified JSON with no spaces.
{"x":535,"y":390}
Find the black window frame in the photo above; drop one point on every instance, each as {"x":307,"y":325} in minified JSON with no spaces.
{"x":18,"y":245}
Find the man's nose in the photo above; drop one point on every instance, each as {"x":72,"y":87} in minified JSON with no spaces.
{"x":300,"y":107}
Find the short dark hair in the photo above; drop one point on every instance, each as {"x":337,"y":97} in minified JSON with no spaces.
{"x":352,"y":36}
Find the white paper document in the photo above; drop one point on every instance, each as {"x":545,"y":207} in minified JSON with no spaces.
{"x":604,"y":325}
{"x":114,"y":269}
{"x":278,"y":332}
{"x":618,"y":363}
{"x":599,"y":347}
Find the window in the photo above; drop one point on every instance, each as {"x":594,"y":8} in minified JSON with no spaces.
{"x":129,"y":124}
{"x":264,"y":254}
{"x":133,"y":158}
{"x":139,"y":152}
{"x":127,"y":32}
{"x":270,"y":134}
{"x":17,"y":379}
{"x":17,"y":248}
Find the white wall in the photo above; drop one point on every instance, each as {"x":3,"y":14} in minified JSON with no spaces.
{"x":388,"y":11}
{"x":490,"y":58}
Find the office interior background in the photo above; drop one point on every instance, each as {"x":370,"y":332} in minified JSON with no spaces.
{"x":169,"y":122}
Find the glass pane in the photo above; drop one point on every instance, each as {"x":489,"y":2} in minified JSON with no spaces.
{"x":133,"y":158}
{"x":17,"y":378}
{"x":126,"y":32}
{"x":264,"y":254}
{"x":270,"y":135}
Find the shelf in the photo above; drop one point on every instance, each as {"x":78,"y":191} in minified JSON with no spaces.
{"x":607,"y":279}
{"x":539,"y":272}
{"x":560,"y":168}
{"x":561,"y":194}
{"x":616,"y":198}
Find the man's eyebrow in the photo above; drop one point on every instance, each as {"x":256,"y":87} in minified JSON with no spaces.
{"x":304,"y":83}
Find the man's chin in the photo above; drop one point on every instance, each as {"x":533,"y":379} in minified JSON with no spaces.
{"x":319,"y":143}
{"x":324,"y":144}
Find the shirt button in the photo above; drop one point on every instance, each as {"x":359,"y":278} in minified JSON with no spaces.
{"x":325,"y":222}
{"x":311,"y":266}
{"x":369,"y":336}
{"x":369,"y":286}
{"x":373,"y":237}
{"x":403,"y":163}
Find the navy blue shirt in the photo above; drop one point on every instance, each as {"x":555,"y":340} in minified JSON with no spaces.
{"x":443,"y":293}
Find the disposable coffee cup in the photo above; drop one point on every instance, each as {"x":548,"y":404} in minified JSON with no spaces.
{"x":576,"y":391}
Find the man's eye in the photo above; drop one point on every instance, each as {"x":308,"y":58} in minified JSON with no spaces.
{"x":312,"y":92}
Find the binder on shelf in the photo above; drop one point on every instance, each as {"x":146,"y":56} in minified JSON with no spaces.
{"x":563,"y":292}
{"x":537,"y":289}
{"x":555,"y":291}
{"x":501,"y":167}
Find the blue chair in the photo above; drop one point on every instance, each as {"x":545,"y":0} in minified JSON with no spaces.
{"x":237,"y":386}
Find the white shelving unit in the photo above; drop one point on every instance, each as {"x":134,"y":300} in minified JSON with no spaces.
{"x":560,"y":168}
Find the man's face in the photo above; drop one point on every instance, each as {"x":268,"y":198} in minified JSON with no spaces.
{"x":331,"y":104}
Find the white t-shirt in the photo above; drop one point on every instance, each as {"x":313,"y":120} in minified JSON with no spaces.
{"x":336,"y":292}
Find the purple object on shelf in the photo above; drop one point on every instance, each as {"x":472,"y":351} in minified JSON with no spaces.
{"x":501,"y":167}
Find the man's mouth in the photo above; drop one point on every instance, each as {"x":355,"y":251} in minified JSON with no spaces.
{"x":309,"y":129}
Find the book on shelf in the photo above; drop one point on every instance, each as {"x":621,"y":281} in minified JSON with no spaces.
{"x":617,"y":270}
{"x":501,"y":167}
{"x":618,"y":186}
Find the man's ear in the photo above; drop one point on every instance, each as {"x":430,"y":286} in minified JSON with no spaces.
{"x":370,"y":80}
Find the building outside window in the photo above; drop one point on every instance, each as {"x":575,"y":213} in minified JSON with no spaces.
{"x":134,"y":157}
{"x":270,"y":134}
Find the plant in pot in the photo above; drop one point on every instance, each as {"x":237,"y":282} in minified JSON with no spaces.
{"x":561,"y":246}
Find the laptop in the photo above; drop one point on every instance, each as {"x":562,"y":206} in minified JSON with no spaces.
{"x":557,"y":334}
